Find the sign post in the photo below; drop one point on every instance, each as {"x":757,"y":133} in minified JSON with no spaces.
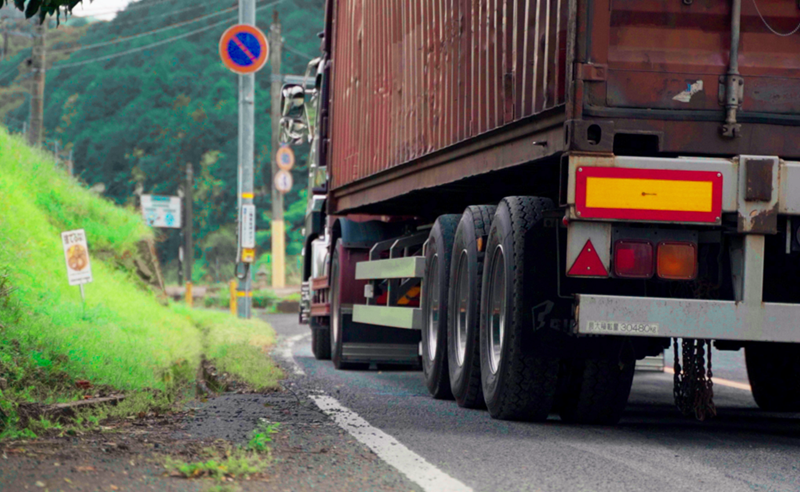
{"x":282,"y":183}
{"x":76,"y":255}
{"x":243,"y":48}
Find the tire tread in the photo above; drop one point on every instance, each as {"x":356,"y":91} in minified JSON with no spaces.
{"x":530,"y":384}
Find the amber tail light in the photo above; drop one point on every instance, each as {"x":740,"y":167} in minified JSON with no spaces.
{"x":633,"y":259}
{"x":677,"y":260}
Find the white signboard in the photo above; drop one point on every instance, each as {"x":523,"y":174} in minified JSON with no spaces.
{"x":76,"y":253}
{"x":283,"y":181}
{"x":247,"y":233}
{"x":162,"y":211}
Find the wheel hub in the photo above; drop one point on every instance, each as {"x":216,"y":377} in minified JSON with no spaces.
{"x":462,"y":303}
{"x":496,"y":314}
{"x":433,"y":306}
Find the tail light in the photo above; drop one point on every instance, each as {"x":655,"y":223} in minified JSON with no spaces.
{"x":633,"y":259}
{"x":677,"y":260}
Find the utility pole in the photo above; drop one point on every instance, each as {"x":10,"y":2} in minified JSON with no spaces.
{"x":188,"y":228}
{"x":5,"y":40}
{"x":37,"y":86}
{"x":247,"y":96}
{"x":278,"y":225}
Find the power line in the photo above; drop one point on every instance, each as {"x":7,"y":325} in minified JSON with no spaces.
{"x":134,"y":36}
{"x":115,"y":22}
{"x":135,"y":6}
{"x":298,"y":52}
{"x":157,"y":43}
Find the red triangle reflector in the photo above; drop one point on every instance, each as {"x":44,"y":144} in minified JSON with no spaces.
{"x":588,"y":263}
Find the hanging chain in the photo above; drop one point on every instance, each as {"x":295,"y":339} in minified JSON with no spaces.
{"x":694,"y":390}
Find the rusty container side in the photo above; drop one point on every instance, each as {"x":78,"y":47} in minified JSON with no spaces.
{"x":414,"y":78}
{"x":655,"y":67}
{"x":660,"y":54}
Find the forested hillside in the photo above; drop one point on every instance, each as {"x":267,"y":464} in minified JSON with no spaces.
{"x":142,"y":96}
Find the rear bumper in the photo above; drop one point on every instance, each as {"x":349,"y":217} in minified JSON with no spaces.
{"x":687,"y":318}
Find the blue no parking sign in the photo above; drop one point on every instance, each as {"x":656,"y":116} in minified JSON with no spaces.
{"x":243,"y":49}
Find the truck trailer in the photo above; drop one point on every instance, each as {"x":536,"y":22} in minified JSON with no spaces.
{"x":524,"y":197}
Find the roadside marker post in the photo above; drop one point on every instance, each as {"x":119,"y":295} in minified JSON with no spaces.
{"x":232,"y":293}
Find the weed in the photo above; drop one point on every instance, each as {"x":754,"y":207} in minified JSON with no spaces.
{"x":232,"y":462}
{"x":228,"y":487}
{"x":42,"y":425}
{"x":262,"y":436}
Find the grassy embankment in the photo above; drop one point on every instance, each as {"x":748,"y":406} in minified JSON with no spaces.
{"x":127,"y":339}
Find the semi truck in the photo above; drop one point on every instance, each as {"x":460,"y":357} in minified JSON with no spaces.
{"x":524,"y":197}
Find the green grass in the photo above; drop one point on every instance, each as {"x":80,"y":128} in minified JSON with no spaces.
{"x":124,"y":337}
{"x":237,"y":346}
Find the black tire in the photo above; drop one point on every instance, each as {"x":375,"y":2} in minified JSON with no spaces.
{"x":321,"y":343}
{"x":463,"y":326}
{"x":519,"y":355}
{"x":774,"y":372}
{"x":435,"y":283}
{"x":337,"y":320}
{"x":597,"y":391}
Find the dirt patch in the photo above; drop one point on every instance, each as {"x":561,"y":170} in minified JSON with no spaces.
{"x":309,"y":452}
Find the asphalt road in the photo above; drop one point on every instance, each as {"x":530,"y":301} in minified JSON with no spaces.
{"x":652,"y":449}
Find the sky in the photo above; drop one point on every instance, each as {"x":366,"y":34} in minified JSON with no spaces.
{"x":100,"y":9}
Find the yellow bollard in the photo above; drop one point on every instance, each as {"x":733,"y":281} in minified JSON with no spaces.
{"x":278,"y":254}
{"x":233,"y":297}
{"x":189,"y":298}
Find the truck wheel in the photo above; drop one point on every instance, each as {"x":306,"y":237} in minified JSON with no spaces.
{"x":337,"y":321}
{"x":597,"y":390}
{"x":519,"y":370}
{"x":321,"y":343}
{"x":774,"y":372}
{"x":435,"y":282}
{"x":463,"y":327}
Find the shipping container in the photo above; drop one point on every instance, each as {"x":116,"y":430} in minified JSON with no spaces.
{"x":527,"y":196}
{"x":427,"y":93}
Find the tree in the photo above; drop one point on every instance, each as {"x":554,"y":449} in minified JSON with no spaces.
{"x":43,"y":8}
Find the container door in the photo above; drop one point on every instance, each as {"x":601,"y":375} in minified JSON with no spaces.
{"x":673,"y":54}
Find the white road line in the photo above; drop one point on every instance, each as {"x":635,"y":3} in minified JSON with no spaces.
{"x":286,"y":353}
{"x":389,"y":449}
{"x":720,"y":381}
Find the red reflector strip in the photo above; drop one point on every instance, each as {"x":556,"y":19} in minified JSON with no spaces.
{"x":663,"y":195}
{"x":588,"y":263}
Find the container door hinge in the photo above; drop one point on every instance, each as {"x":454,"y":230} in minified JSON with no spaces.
{"x":590,"y":72}
{"x":731,"y":95}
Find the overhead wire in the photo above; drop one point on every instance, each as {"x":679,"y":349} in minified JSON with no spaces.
{"x":130,"y":6}
{"x":148,"y":33}
{"x":115,"y":22}
{"x":298,"y":52}
{"x":155,"y":44}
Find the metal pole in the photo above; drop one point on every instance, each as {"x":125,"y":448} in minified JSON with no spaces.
{"x":70,"y":164}
{"x":187,"y":232}
{"x":55,"y":143}
{"x":37,"y":86}
{"x":278,"y":225}
{"x":5,"y":40}
{"x":247,"y":95}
